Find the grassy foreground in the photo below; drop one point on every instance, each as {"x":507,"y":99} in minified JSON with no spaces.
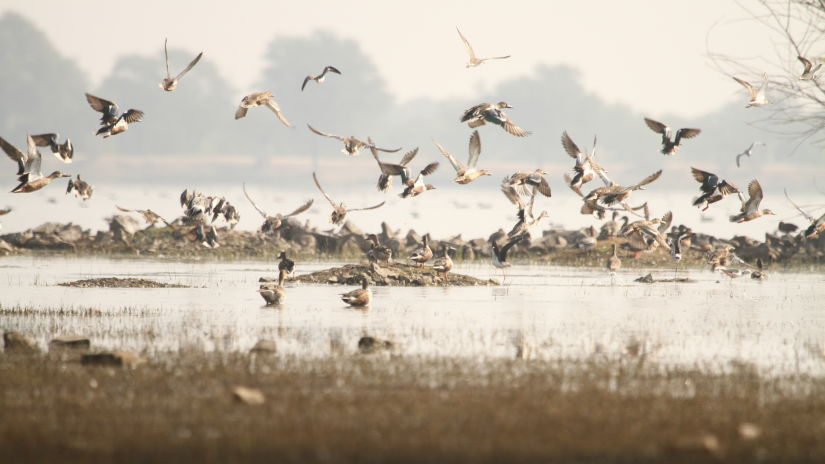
{"x":382,"y":408}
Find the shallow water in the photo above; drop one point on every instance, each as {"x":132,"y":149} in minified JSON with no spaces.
{"x":559,"y":312}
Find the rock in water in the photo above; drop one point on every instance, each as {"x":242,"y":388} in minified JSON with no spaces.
{"x":264,"y":346}
{"x":15,"y":342}
{"x":70,"y":342}
{"x":368,"y":345}
{"x":112,"y":359}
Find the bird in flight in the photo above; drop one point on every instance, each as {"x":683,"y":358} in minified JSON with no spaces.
{"x":474,"y":60}
{"x":112,"y":122}
{"x":808,"y":74}
{"x":29,"y":172}
{"x":320,"y":77}
{"x":170,"y":83}
{"x":757,"y":96}
{"x":747,"y":152}
{"x":257,"y":99}
{"x":466,"y":174}
{"x":351,"y":144}
{"x":670,"y":146}
{"x":483,"y":113}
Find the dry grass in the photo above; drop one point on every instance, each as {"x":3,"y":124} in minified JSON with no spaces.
{"x":404,"y":409}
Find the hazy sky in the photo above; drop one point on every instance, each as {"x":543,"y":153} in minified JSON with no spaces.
{"x":648,"y":54}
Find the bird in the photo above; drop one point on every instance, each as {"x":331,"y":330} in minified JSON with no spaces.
{"x":149,"y":216}
{"x":526,"y":220}
{"x":82,"y":189}
{"x":747,"y":152}
{"x":757,"y":96}
{"x":647,"y":235}
{"x":483,"y":113}
{"x":585,"y":168}
{"x":474,"y":60}
{"x":499,"y":255}
{"x":466,"y":174}
{"x":787,"y":227}
{"x":170,"y":83}
{"x":670,"y":147}
{"x":378,"y":252}
{"x":734,"y":273}
{"x":320,"y":77}
{"x":596,"y":201}
{"x":274,"y":294}
{"x":29,"y":171}
{"x":759,"y":273}
{"x":62,"y":151}
{"x":285,"y":265}
{"x":810,"y":70}
{"x":520,"y":183}
{"x":423,"y":253}
{"x":445,"y":263}
{"x":5,"y":211}
{"x":339,"y":211}
{"x":352,"y":146}
{"x":417,"y":186}
{"x":676,"y":246}
{"x":112,"y":122}
{"x":614,"y":262}
{"x":816,"y":227}
{"x":390,"y":170}
{"x":206,"y":235}
{"x":273,"y":223}
{"x":257,"y":99}
{"x":750,"y":208}
{"x":713,"y":189}
{"x":359,"y":297}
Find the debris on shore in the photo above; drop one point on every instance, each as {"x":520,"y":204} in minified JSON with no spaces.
{"x":115,"y":282}
{"x":396,"y":274}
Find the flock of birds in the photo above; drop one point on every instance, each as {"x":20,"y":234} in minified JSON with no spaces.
{"x":520,"y":188}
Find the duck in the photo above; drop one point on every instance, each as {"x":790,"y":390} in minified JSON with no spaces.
{"x":816,"y":227}
{"x":670,"y":147}
{"x":273,"y":223}
{"x":611,"y":228}
{"x":378,"y":252}
{"x":748,"y":152}
{"x":339,"y":210}
{"x":285,"y":265}
{"x":750,"y":208}
{"x":525,"y":211}
{"x":82,"y":189}
{"x":474,"y":60}
{"x":423,"y":253}
{"x":613,"y":261}
{"x":390,"y":170}
{"x":585,"y":168}
{"x":520,"y":183}
{"x":205,"y":235}
{"x":320,"y":77}
{"x":597,"y":199}
{"x":359,"y":297}
{"x":29,"y":172}
{"x":112,"y":122}
{"x":713,"y":189}
{"x":676,"y":246}
{"x":257,"y":99}
{"x":647,"y":235}
{"x":466,"y":174}
{"x":757,"y":96}
{"x":62,"y":151}
{"x":759,"y":273}
{"x":444,"y":263}
{"x":808,"y":74}
{"x":483,"y":113}
{"x":149,"y":217}
{"x":417,"y":186}
{"x":499,"y":255}
{"x":352,"y":146}
{"x":721,"y":256}
{"x":274,"y":294}
{"x":170,"y":83}
{"x":734,"y":273}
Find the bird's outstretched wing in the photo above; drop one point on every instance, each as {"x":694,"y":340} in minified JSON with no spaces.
{"x":317,"y":184}
{"x":254,"y":205}
{"x":368,"y":207}
{"x":467,"y":44}
{"x":187,"y":68}
{"x":270,"y":103}
{"x":300,"y":209}
{"x":324,"y":134}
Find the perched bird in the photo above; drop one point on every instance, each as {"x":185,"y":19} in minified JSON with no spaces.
{"x":613,"y":262}
{"x":285,"y":265}
{"x":759,"y":273}
{"x":273,"y":223}
{"x":750,"y":208}
{"x":423,"y":253}
{"x":499,"y":255}
{"x":352,"y":146}
{"x":483,"y":113}
{"x":808,"y":74}
{"x":757,"y":96}
{"x":713,"y":189}
{"x":466,"y":174}
{"x":417,"y":186}
{"x":82,"y":189}
{"x":339,"y":211}
{"x":112,"y":122}
{"x":170,"y":83}
{"x":816,"y":227}
{"x":474,"y":60}
{"x":585,"y":168}
{"x":599,"y":198}
{"x":62,"y":151}
{"x":359,"y":297}
{"x":320,"y":77}
{"x":378,"y":252}
{"x":521,"y":183}
{"x":274,"y":294}
{"x":29,"y":171}
{"x":149,"y":216}
{"x":747,"y":152}
{"x":444,"y":263}
{"x":257,"y":99}
{"x":390,"y":170}
{"x":670,"y":147}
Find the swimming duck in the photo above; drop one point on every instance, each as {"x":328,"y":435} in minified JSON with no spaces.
{"x":390,"y":170}
{"x":352,"y":146}
{"x":320,"y":77}
{"x":273,"y":223}
{"x":444,"y":263}
{"x":257,"y":99}
{"x":149,"y":216}
{"x":29,"y":171}
{"x":171,"y":83}
{"x":750,"y":209}
{"x":810,"y":69}
{"x":285,"y":265}
{"x":521,"y":183}
{"x":82,"y":189}
{"x":378,"y":252}
{"x":526,"y":220}
{"x":424,"y":253}
{"x":499,"y":255}
{"x":614,"y":262}
{"x":62,"y":151}
{"x":713,"y":189}
{"x":585,"y":168}
{"x":597,"y":199}
{"x":757,"y":96}
{"x":469,"y":173}
{"x":474,"y":60}
{"x":274,"y":294}
{"x":816,"y":227}
{"x":359,"y":297}
{"x":489,"y":112}
{"x":112,"y":121}
{"x":747,"y":152}
{"x":670,"y":147}
{"x":417,"y":186}
{"x":339,"y":211}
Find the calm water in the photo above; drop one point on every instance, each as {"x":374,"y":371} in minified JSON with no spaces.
{"x":777,"y":324}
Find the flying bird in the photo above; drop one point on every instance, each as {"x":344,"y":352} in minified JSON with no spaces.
{"x":339,"y":210}
{"x":521,"y":183}
{"x":747,"y":152}
{"x":417,"y":186}
{"x":466,"y":174}
{"x":149,"y":216}
{"x":62,"y":151}
{"x":82,"y":189}
{"x":390,"y":170}
{"x":713,"y":188}
{"x":257,"y":99}
{"x":474,"y":60}
{"x":320,"y":77}
{"x":273,"y":223}
{"x":112,"y":122}
{"x":599,"y":198}
{"x":483,"y":113}
{"x":816,"y":227}
{"x":585,"y":168}
{"x":29,"y":171}
{"x":750,"y":208}
{"x":352,"y":145}
{"x":171,"y":83}
{"x":810,"y":70}
{"x":526,"y":219}
{"x":757,"y":96}
{"x":670,"y":146}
